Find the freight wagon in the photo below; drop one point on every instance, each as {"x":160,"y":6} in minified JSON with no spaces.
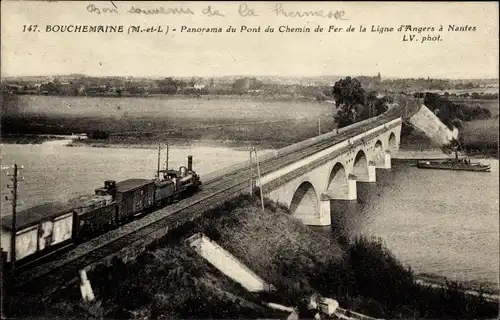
{"x":93,"y":215}
{"x":133,"y":196}
{"x":39,"y":230}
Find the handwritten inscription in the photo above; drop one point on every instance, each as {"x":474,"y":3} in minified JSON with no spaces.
{"x":244,"y":10}
{"x":210,"y":12}
{"x":93,"y":9}
{"x":335,"y":14}
{"x":161,"y":10}
{"x":407,"y":33}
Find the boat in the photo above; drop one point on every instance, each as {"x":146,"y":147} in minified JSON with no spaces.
{"x":454,"y":165}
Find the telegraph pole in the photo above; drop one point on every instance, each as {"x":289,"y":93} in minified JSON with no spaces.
{"x":13,"y":198}
{"x":319,"y":126}
{"x":158,"y":166}
{"x":251,"y":173}
{"x":166,"y":160}
{"x":260,"y":180}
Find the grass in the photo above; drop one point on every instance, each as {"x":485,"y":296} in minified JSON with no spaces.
{"x":145,"y":130}
{"x":360,"y":273}
{"x":171,"y":281}
{"x":491,"y":105}
{"x":179,"y":107}
{"x":27,"y":139}
{"x":226,"y":120}
{"x":481,"y":136}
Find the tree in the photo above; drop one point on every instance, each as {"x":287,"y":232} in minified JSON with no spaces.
{"x":349,"y":98}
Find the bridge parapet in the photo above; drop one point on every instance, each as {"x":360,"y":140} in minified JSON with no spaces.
{"x":302,"y":144}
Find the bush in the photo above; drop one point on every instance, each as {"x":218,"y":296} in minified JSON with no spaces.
{"x":98,"y":134}
{"x":361,"y":273}
{"x":448,"y":111}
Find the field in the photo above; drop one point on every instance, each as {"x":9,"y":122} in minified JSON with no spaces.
{"x":141,"y":120}
{"x":481,"y":136}
{"x":491,"y":105}
{"x":204,"y":107}
{"x":461,"y":91}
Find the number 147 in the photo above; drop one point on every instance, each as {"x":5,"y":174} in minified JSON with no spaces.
{"x":30,"y":28}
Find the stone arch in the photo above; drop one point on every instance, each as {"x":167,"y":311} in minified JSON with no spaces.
{"x":305,"y":201}
{"x":378,"y":151}
{"x":360,"y":167}
{"x":392,"y":142}
{"x":337,"y":176}
{"x":339,"y":186}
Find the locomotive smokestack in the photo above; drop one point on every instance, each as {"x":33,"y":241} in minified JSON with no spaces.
{"x":190,"y":163}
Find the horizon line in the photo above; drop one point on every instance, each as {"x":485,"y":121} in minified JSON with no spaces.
{"x":244,"y":75}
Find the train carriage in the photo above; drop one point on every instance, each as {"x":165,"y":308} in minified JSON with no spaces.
{"x":133,"y":196}
{"x":39,"y":229}
{"x":93,"y":215}
{"x":43,"y":230}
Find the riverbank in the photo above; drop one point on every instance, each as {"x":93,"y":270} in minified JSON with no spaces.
{"x":180,"y":143}
{"x":489,"y":290}
{"x":481,"y":137}
{"x":29,"y":138}
{"x":359,"y":272}
{"x":171,"y":280}
{"x":479,"y":140}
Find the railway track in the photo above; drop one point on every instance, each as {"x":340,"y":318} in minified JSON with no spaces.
{"x":213,"y":193}
{"x":318,"y":146}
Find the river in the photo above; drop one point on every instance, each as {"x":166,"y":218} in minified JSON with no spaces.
{"x":55,"y":172}
{"x":443,"y":223}
{"x":440,"y":222}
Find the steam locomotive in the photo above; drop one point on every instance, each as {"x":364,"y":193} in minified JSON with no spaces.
{"x":51,"y":227}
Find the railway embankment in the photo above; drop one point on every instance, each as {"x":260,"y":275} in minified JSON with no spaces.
{"x":171,"y":280}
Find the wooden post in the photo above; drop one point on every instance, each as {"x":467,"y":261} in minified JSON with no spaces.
{"x":251,"y":177}
{"x":13,"y":199}
{"x":166,"y":160}
{"x":3,"y":278}
{"x":158,"y":168}
{"x":260,"y":180}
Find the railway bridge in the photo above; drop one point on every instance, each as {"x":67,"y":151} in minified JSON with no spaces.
{"x":305,"y":177}
{"x":308,"y":185}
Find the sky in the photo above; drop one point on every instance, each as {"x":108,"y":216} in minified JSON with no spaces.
{"x":459,"y":54}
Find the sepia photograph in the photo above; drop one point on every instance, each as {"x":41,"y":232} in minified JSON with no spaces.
{"x":249,"y":160}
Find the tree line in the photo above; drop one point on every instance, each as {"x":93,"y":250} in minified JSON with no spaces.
{"x":354,"y":104}
{"x":452,"y":113}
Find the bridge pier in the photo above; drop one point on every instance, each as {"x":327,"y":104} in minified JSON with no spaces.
{"x":344,"y":191}
{"x":366,"y":176}
{"x":384,"y":160}
{"x":320,"y":217}
{"x":324,"y":218}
